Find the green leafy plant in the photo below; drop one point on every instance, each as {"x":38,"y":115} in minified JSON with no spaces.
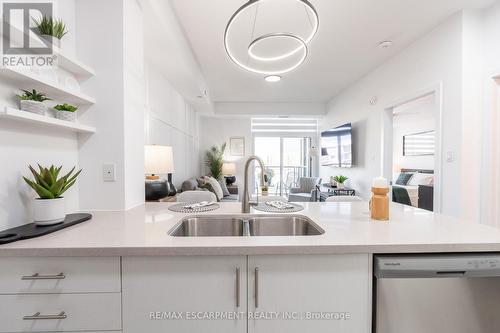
{"x":33,"y":96}
{"x":51,"y":26}
{"x":340,"y":179}
{"x":215,"y":160}
{"x":47,"y":184}
{"x":66,"y":107}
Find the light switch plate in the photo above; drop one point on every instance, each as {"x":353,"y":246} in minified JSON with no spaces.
{"x":109,"y":172}
{"x":450,"y":156}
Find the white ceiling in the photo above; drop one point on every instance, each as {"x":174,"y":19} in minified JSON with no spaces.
{"x":344,"y":49}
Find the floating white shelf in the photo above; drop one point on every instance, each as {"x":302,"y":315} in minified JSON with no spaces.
{"x":28,"y":80}
{"x":73,"y":65}
{"x":35,"y":119}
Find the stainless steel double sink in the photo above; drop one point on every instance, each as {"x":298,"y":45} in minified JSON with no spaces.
{"x":245,"y":225}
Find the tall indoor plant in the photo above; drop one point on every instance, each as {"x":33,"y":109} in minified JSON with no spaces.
{"x":215,"y":160}
{"x":49,"y":208}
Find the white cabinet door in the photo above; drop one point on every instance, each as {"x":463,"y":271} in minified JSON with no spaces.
{"x":184,"y":294}
{"x":316,"y":293}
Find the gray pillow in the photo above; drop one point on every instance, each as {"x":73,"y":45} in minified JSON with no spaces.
{"x":225,"y":191}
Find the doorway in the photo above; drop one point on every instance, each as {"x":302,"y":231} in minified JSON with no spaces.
{"x":412,"y":148}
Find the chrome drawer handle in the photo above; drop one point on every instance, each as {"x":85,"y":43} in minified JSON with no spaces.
{"x":238,"y":286}
{"x":256,"y":287}
{"x":38,"y":316}
{"x":37,"y":276}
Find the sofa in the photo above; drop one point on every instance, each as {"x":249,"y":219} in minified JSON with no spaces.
{"x":192,"y":184}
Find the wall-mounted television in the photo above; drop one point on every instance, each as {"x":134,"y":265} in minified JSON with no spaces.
{"x":336,"y":147}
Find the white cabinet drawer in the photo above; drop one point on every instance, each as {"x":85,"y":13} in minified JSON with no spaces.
{"x":83,"y":312}
{"x":35,"y":275}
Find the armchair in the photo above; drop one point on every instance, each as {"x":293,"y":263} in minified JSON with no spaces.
{"x":307,"y":190}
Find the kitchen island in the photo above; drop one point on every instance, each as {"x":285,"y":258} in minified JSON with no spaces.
{"x":123,"y":272}
{"x":348,"y":229}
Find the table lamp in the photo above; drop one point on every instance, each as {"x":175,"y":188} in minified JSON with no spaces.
{"x":158,"y":160}
{"x":229,"y":171}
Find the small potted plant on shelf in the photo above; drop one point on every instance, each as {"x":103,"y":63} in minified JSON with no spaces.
{"x":265,"y":190}
{"x":66,"y":112}
{"x":340,"y":180}
{"x":32,"y":101}
{"x":49,"y":208}
{"x":51,"y":30}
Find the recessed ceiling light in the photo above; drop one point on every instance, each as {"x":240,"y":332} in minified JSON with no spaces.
{"x":272,"y":78}
{"x":385,"y":44}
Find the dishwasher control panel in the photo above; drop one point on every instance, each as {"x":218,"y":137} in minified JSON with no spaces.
{"x":438,"y":265}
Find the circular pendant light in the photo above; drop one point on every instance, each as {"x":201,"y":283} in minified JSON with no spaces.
{"x":302,"y":42}
{"x":255,"y":42}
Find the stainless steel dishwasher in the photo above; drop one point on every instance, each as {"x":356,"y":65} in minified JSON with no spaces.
{"x":449,"y":293}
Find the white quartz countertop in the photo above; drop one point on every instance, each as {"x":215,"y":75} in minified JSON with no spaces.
{"x":348,"y":229}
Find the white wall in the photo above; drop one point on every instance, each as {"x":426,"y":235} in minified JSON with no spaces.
{"x":490,"y":172}
{"x":460,"y":56}
{"x":414,"y":117}
{"x":171,"y":121}
{"x":107,"y":145}
{"x":134,"y":105}
{"x":21,"y":144}
{"x":116,"y":55}
{"x":270,"y":109}
{"x":432,"y":60}
{"x":217,"y":130}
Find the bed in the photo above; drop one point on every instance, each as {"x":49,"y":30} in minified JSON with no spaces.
{"x":408,"y":194}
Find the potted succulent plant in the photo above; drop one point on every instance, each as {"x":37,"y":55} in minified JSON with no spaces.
{"x":51,"y":29}
{"x":66,"y":112}
{"x":49,"y":208}
{"x":340,"y":180}
{"x":32,"y":101}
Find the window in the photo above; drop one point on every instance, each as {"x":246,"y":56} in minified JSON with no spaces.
{"x":419,"y":144}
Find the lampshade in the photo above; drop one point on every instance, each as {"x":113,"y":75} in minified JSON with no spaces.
{"x":158,"y":160}
{"x":228,"y":169}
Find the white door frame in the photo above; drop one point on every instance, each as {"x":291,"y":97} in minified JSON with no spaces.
{"x":490,"y":200}
{"x":387,"y":130}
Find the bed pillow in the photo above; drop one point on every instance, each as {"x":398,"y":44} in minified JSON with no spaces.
{"x":421,"y":179}
{"x":404,"y":178}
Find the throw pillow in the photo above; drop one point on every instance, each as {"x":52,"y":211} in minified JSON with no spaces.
{"x":208,"y":187}
{"x":404,"y":178}
{"x":216,"y":186}
{"x":225,"y":191}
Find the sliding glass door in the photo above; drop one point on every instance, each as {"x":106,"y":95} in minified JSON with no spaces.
{"x":286,"y":160}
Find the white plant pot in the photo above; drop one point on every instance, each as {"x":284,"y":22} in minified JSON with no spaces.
{"x":48,"y":211}
{"x":52,"y":40}
{"x":340,"y":186}
{"x":65,"y":115}
{"x":33,"y":107}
